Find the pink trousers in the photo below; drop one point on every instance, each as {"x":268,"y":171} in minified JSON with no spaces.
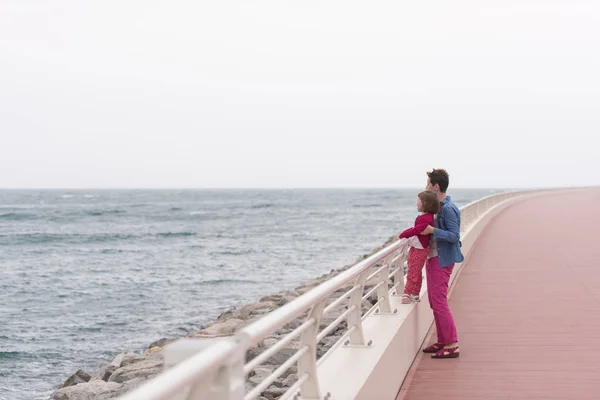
{"x":438,"y":279}
{"x":414,"y":277}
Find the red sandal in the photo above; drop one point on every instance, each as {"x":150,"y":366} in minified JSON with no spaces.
{"x":453,"y":352}
{"x":434,"y":348}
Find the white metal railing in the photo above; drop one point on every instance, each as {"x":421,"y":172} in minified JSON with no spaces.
{"x":217,"y":370}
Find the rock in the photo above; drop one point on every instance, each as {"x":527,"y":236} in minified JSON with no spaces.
{"x":248,"y":387}
{"x":124,"y":359}
{"x":273,"y":393}
{"x":280,"y":298}
{"x":343,"y":290}
{"x":294,"y":344}
{"x":331,"y":316}
{"x":258,"y":375}
{"x":161,"y":342}
{"x":156,"y":355}
{"x":80,"y":376}
{"x":153,"y":350}
{"x":262,"y":307}
{"x":366,"y":306}
{"x":280,"y":357}
{"x":277,"y":359}
{"x":345,"y":267}
{"x":143,"y":369}
{"x":304,"y":289}
{"x":118,"y":360}
{"x":292,"y":370}
{"x":129,"y":386}
{"x":268,"y":342}
{"x":326,"y":344}
{"x":278,"y":383}
{"x":225,"y":328}
{"x":224,"y":316}
{"x":290,"y":380}
{"x":253,"y":352}
{"x":292,"y":325}
{"x":92,"y":390}
{"x":364,"y":256}
{"x":104,"y":373}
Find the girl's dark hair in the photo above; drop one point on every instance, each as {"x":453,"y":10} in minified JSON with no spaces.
{"x":431,"y":203}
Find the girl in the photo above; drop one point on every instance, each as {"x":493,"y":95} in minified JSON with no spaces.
{"x":428,"y":204}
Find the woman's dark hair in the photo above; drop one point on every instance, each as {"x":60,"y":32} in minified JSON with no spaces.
{"x":439,"y":176}
{"x":430,"y":201}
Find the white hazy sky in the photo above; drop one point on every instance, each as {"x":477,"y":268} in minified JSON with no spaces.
{"x":502,"y":93}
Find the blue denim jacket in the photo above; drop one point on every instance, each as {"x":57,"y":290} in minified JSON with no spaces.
{"x":447,"y":234}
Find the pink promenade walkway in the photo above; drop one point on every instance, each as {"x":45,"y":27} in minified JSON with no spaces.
{"x":527,"y":308}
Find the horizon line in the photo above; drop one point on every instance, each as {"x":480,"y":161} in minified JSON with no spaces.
{"x":277,"y":188}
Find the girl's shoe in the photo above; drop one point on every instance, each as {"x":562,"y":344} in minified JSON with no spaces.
{"x":410,"y":299}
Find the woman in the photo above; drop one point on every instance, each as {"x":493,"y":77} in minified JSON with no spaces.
{"x":444,"y":252}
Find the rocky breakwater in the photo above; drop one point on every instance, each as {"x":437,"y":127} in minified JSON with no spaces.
{"x":129,"y":370}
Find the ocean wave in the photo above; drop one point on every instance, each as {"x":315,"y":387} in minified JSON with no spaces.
{"x":10,"y":355}
{"x":224,"y":281}
{"x":232,"y":252}
{"x":98,"y":213}
{"x":118,"y":251}
{"x":45,"y":238}
{"x":212,"y":216}
{"x":107,"y":237}
{"x":16,"y":206}
{"x":175,"y":234}
{"x":263,"y":205}
{"x":17,"y":216}
{"x":60,"y":215}
{"x":14,"y":355}
{"x":367,"y":205}
{"x":91,"y":329}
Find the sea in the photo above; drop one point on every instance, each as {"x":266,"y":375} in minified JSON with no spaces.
{"x":88,"y":274}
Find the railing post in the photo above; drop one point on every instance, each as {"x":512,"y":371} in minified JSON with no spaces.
{"x":399,"y":274}
{"x":307,"y":364}
{"x":357,"y":336}
{"x":383,"y":295}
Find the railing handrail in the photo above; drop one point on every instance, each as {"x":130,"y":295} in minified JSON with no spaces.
{"x":185,"y":373}
{"x":220,"y":355}
{"x":288,"y":312}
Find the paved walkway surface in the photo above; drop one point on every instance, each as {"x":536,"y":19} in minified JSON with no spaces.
{"x":527,"y":308}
